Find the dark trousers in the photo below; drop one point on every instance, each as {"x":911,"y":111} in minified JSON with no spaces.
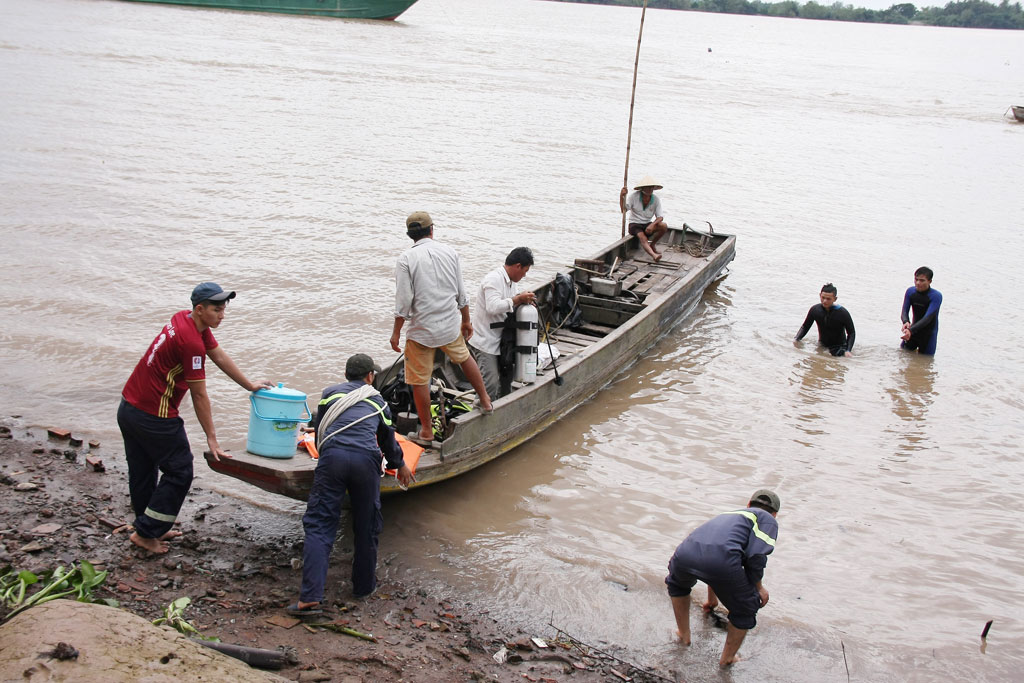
{"x":159,"y":467}
{"x":923,"y":344}
{"x":339,"y":471}
{"x":733,"y":589}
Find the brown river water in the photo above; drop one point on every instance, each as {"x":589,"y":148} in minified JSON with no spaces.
{"x":145,"y":148}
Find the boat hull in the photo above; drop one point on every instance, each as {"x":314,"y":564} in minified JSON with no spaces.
{"x":529,"y":410}
{"x":344,"y":9}
{"x":1018,"y":113}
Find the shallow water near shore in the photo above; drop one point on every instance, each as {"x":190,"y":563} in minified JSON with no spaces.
{"x":146,"y":148}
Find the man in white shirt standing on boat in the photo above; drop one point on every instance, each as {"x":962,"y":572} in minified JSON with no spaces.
{"x":646,"y":221}
{"x":430,"y":294}
{"x":497,"y":297}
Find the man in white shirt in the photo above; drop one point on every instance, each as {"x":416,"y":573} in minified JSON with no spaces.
{"x":497,"y":297}
{"x":645,"y":220}
{"x":430,"y":294}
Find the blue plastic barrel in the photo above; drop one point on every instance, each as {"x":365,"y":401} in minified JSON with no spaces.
{"x":274,"y":421}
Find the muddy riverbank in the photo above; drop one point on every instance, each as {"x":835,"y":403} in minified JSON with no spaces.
{"x":63,"y":502}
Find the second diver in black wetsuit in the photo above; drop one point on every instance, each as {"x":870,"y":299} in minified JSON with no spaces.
{"x":835,"y":324}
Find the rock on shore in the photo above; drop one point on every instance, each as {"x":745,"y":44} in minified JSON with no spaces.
{"x":109,"y":646}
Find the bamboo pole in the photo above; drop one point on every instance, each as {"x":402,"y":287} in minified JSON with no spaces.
{"x":632,"y":100}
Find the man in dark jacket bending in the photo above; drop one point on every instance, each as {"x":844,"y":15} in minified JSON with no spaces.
{"x":729,"y":554}
{"x":353,"y":425}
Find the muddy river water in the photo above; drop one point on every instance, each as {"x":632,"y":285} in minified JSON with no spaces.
{"x":145,"y":148}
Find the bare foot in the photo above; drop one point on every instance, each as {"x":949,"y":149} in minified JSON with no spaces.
{"x":170,"y":534}
{"x":153,"y":545}
{"x":683,"y":638}
{"x":723,"y":663}
{"x":429,"y":436}
{"x":307,"y":605}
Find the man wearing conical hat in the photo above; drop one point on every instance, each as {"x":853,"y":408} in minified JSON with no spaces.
{"x":646,"y":220}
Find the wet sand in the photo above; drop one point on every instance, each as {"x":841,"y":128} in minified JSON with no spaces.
{"x":239,"y":580}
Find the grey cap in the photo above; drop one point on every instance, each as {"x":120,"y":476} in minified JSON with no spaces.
{"x":768,"y":498}
{"x":360,"y":365}
{"x":210,"y":291}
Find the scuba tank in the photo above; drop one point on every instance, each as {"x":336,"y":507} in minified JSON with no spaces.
{"x":526,"y":344}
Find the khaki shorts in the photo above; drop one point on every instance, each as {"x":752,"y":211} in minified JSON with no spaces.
{"x":419,"y":359}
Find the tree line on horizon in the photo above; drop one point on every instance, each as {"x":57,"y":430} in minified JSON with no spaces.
{"x":965,"y":13}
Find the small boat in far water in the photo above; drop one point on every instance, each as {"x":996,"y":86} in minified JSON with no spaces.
{"x":1018,"y":113}
{"x":344,"y":9}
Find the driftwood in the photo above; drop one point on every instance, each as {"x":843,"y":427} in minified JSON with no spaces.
{"x":569,"y":666}
{"x":253,"y":656}
{"x":338,"y":628}
{"x":591,"y":651}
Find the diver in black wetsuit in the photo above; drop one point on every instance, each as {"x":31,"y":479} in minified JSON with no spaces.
{"x":923,"y":334}
{"x":835,"y":324}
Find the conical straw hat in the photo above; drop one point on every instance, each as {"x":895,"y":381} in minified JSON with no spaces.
{"x":648,"y":181}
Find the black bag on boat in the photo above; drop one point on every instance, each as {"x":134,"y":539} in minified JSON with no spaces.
{"x":398,"y":395}
{"x":566,"y":312}
{"x":507,"y":353}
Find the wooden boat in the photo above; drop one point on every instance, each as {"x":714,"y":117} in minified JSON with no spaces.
{"x":1018,"y":113}
{"x":345,"y":9}
{"x":615,"y":331}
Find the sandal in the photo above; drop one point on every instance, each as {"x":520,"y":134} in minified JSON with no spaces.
{"x":296,"y":611}
{"x":419,"y":440}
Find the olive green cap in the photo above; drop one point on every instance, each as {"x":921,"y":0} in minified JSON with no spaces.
{"x":768,"y":498}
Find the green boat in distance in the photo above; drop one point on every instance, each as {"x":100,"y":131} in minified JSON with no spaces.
{"x":345,"y":9}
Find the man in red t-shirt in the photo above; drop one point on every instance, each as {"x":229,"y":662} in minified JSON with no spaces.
{"x":155,"y":443}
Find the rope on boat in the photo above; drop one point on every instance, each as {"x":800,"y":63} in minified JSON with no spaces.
{"x":702,"y":247}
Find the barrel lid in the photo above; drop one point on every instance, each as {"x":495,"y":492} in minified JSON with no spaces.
{"x":281,"y":393}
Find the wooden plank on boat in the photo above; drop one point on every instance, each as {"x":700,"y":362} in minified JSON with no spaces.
{"x":667,"y":282}
{"x":612,"y":304}
{"x":606,"y":316}
{"x":662,"y":265}
{"x":651,"y":282}
{"x":595,"y":329}
{"x":576,"y":344}
{"x":631,"y":281}
{"x":625,"y":270}
{"x":576,"y":337}
{"x":606,"y":311}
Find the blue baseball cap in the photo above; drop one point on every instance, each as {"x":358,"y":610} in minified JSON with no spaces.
{"x":210,"y":291}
